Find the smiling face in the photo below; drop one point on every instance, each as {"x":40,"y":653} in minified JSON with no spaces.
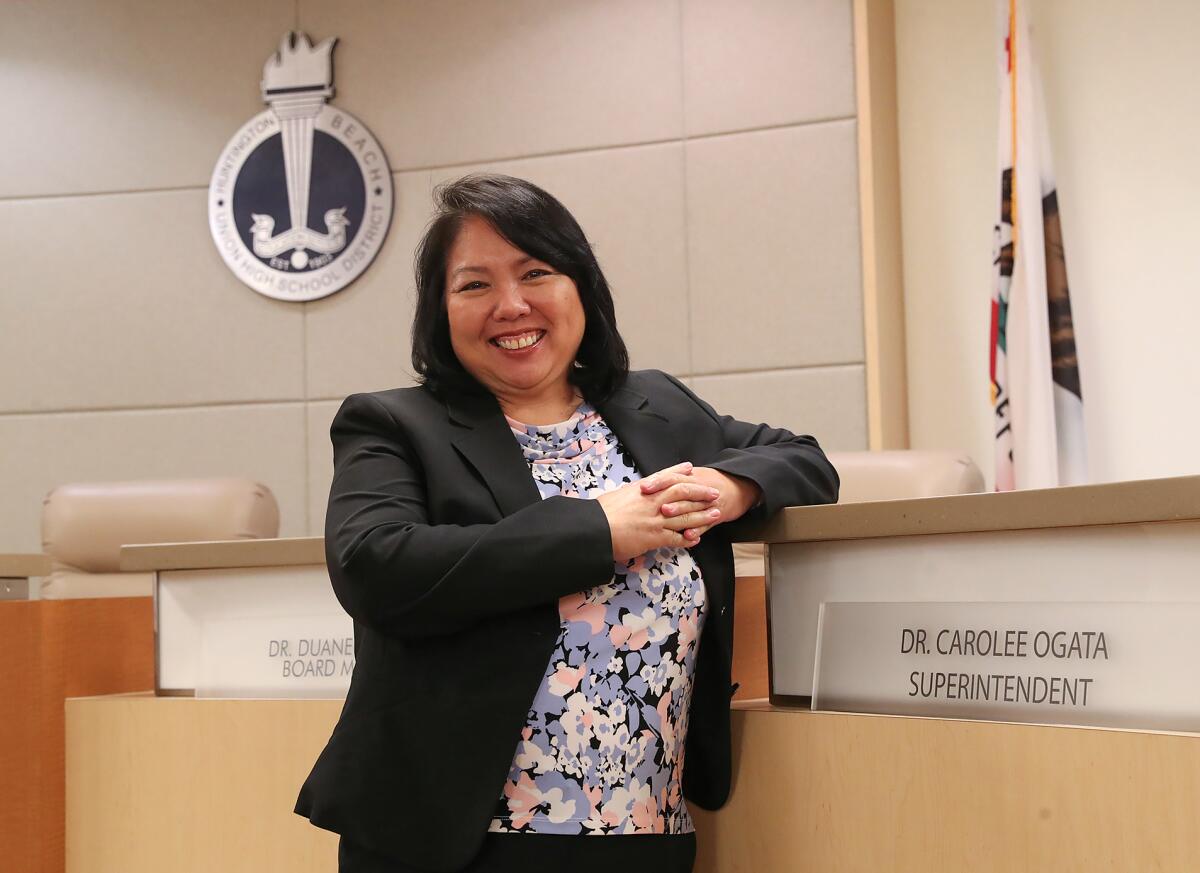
{"x":515,"y":321}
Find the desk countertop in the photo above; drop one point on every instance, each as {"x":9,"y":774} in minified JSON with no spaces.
{"x":1139,"y":502}
{"x":286,"y":552}
{"x":21,"y":566}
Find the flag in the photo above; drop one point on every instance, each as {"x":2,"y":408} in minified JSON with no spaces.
{"x":1036,"y":391}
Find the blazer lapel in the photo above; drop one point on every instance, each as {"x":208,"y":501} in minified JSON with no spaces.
{"x":488,"y":446}
{"x":646,"y":434}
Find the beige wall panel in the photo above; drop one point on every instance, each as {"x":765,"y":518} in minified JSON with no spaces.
{"x":1122,"y":85}
{"x":773,"y":240}
{"x":452,"y":82}
{"x":629,"y":202}
{"x":128,"y":94}
{"x":827,"y":402}
{"x":766,"y":63}
{"x":320,"y":463}
{"x":39,"y":452}
{"x":359,"y":338}
{"x":122,"y":300}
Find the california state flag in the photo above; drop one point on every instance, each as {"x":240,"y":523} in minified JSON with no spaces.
{"x":1035,"y":373}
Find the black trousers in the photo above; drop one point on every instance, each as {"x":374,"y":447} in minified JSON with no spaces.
{"x":545,"y":853}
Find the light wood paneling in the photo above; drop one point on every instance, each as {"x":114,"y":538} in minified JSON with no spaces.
{"x":823,"y":792}
{"x":201,"y":785}
{"x":193,"y":786}
{"x":879,"y":205}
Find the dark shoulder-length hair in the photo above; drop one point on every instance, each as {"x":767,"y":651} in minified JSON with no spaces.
{"x":537,"y":224}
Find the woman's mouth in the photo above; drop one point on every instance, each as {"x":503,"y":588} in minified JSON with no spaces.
{"x":516,"y":341}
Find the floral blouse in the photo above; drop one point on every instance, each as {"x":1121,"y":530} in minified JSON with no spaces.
{"x":602,"y":748}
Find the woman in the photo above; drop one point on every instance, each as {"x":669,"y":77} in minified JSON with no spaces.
{"x":534,"y":546}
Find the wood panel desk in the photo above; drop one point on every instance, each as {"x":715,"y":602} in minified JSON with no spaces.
{"x":199,"y":785}
{"x":168,"y":782}
{"x":192,"y":785}
{"x":819,"y":792}
{"x":51,"y":650}
{"x":825,"y":791}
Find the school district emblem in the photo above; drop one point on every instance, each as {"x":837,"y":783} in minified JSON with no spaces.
{"x":301,"y":198}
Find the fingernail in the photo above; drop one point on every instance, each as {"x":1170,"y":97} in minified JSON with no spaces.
{"x":714,"y":513}
{"x":713,"y":493}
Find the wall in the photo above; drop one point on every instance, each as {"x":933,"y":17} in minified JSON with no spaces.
{"x":707,"y":146}
{"x":1121,"y":86}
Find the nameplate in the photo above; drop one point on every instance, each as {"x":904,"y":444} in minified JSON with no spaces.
{"x":1129,"y":665}
{"x":276,"y":657}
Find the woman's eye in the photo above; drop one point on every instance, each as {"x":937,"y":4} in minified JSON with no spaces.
{"x":471,"y":286}
{"x":537,"y":273}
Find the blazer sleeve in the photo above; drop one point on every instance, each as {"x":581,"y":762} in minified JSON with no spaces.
{"x":395,"y":572}
{"x":791,"y":470}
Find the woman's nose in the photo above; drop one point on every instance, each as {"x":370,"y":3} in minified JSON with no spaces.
{"x":511,"y":303}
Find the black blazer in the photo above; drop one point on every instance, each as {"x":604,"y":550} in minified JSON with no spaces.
{"x":451,"y":566}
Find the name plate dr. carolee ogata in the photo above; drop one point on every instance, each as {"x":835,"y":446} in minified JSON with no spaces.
{"x":1128,"y":665}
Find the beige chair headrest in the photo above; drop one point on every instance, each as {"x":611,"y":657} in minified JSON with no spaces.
{"x":896,"y":475}
{"x":85,"y":525}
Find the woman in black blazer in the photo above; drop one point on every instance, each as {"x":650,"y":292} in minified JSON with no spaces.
{"x":532,"y":667}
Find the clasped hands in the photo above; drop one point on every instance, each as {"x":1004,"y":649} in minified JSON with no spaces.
{"x":674,"y":507}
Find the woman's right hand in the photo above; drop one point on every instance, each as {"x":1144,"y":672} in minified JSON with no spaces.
{"x":636,"y":521}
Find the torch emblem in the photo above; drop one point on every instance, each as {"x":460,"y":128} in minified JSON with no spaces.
{"x":301,"y":198}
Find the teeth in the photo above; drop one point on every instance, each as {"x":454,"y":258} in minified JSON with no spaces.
{"x":524,"y":341}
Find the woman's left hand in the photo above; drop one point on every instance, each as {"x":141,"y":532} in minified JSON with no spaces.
{"x":736,"y":495}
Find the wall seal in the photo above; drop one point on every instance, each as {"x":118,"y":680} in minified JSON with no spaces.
{"x":301,"y":198}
